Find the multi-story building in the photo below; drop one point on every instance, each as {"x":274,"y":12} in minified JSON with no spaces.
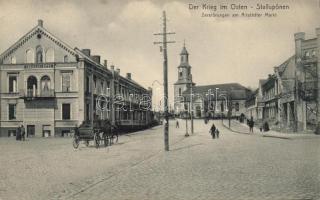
{"x":307,"y":61}
{"x":291,"y":97}
{"x":255,"y":104}
{"x":50,"y":88}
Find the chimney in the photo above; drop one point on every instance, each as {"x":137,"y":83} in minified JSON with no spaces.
{"x":118,"y":70}
{"x":112,"y":67}
{"x":96,"y":58}
{"x":129,"y":76}
{"x":40,"y":22}
{"x":86,"y":52}
{"x":105,"y":63}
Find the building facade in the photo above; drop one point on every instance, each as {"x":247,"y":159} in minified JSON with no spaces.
{"x":50,"y":88}
{"x":290,"y":97}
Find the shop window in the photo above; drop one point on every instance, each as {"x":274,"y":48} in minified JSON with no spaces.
{"x":66,"y":111}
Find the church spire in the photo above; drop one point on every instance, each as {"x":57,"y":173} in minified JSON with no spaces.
{"x":184,"y":55}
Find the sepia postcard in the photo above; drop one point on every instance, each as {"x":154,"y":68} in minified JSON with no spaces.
{"x":160,"y":99}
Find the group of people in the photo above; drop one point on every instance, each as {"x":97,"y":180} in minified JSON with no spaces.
{"x":21,"y":133}
{"x":214,"y":131}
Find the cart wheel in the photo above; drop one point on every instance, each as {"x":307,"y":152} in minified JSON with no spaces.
{"x":87,"y":143}
{"x":75,"y":143}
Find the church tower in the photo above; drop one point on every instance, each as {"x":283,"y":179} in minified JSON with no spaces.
{"x":184,"y":80}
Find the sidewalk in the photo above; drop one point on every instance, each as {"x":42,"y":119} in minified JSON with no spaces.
{"x":244,"y":129}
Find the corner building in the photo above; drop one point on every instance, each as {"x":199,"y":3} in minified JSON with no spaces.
{"x":50,"y":88}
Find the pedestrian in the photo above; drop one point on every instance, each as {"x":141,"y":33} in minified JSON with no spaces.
{"x":217,"y":133}
{"x":23,"y":133}
{"x":177,"y":124}
{"x":213,"y":131}
{"x":18,"y":134}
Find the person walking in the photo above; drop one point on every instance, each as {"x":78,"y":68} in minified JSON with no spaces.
{"x":251,"y":124}
{"x":217,"y":133}
{"x":177,"y":124}
{"x":213,"y":131}
{"x":23,"y":132}
{"x":18,"y":134}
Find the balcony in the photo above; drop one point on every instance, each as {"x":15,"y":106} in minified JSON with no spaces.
{"x":30,"y":94}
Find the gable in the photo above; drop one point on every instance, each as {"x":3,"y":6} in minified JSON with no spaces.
{"x":38,"y":40}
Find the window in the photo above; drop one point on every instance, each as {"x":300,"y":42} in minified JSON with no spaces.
{"x":180,"y":74}
{"x":237,"y":106}
{"x":13,"y":60}
{"x":39,"y":54}
{"x":45,"y":83}
{"x":65,"y":58}
{"x":12,"y":111}
{"x":12,"y":84}
{"x":12,"y":133}
{"x":66,"y":111}
{"x":29,"y":56}
{"x":179,"y":91}
{"x":307,"y":54}
{"x":66,"y":84}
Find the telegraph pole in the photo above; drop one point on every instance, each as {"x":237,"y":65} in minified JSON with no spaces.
{"x":165,"y":78}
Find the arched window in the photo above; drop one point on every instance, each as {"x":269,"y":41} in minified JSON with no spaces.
{"x":29,"y":56}
{"x":222,"y":107}
{"x":50,"y":55}
{"x":307,"y":54}
{"x":39,"y":54}
{"x":13,"y":60}
{"x":179,"y":91}
{"x":32,"y":86}
{"x":65,"y":58}
{"x":45,"y":83}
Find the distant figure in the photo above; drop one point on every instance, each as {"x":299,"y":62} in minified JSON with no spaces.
{"x":251,"y":124}
{"x":266,"y":127}
{"x":18,"y":135}
{"x":213,"y":131}
{"x":177,"y":124}
{"x":23,"y":133}
{"x":217,"y":133}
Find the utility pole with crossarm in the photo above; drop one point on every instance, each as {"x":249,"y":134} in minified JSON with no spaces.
{"x":165,"y":78}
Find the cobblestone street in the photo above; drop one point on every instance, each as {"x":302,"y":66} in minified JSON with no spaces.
{"x":235,"y":166}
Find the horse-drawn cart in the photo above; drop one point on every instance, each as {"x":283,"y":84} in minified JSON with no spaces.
{"x":100,"y":132}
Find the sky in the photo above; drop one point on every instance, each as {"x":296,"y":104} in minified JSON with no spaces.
{"x":222,"y":50}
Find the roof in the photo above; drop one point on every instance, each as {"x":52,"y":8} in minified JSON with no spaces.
{"x":37,"y":29}
{"x":235,"y":90}
{"x":283,"y":66}
{"x":184,"y":51}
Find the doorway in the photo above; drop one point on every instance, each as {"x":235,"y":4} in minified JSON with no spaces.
{"x":31,"y":130}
